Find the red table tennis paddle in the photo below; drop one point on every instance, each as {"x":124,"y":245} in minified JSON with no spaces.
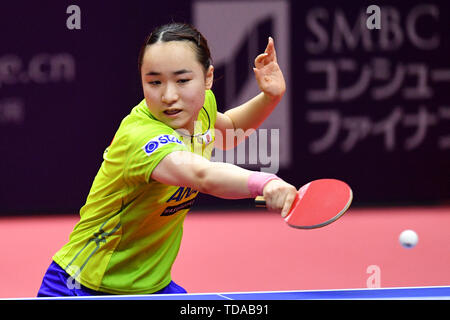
{"x":317,"y":204}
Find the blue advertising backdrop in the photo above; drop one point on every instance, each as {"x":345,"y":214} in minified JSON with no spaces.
{"x":368,"y":106}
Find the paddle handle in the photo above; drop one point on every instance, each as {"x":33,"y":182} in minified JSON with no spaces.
{"x":260,"y":201}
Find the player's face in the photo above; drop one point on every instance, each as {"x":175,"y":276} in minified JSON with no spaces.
{"x":174,"y":83}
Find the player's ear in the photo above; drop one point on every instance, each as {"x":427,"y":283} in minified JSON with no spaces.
{"x":209,"y":77}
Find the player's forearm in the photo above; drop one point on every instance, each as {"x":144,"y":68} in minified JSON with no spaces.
{"x":251,"y":114}
{"x":225,"y":181}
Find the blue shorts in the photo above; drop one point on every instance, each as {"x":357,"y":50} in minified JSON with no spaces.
{"x":58,"y":283}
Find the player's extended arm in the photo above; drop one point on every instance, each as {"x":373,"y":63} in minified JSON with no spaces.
{"x":223,"y":180}
{"x":251,"y":114}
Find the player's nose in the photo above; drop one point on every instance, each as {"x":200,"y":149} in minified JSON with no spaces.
{"x":170,"y":94}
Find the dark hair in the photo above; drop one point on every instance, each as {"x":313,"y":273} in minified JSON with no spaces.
{"x":179,"y":32}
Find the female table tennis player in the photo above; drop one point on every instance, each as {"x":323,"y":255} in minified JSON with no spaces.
{"x":130,"y":227}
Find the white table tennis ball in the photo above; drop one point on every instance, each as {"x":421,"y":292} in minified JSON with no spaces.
{"x":408,"y":239}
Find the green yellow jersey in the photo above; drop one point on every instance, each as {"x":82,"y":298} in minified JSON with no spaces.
{"x":131,"y":226}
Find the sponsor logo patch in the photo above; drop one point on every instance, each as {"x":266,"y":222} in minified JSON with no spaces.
{"x":159,"y":141}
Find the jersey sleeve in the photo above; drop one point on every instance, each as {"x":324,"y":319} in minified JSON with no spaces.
{"x":147,"y":147}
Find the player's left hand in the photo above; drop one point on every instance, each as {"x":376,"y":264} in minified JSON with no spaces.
{"x":268,"y":73}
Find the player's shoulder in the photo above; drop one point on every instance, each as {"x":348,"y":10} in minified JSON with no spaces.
{"x":210,"y":104}
{"x":210,"y":100}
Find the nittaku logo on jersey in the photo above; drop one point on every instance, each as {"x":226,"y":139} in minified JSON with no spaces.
{"x":159,"y":141}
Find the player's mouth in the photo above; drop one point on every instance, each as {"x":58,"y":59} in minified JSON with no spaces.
{"x":172,"y":112}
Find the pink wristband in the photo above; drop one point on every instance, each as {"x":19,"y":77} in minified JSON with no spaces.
{"x":257,"y":181}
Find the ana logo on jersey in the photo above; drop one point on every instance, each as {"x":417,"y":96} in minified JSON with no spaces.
{"x":180,"y":194}
{"x":159,"y":141}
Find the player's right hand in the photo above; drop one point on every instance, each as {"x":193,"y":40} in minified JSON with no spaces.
{"x":279,"y":196}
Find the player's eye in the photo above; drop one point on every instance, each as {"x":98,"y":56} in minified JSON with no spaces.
{"x":154,"y":83}
{"x":183,"y":80}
